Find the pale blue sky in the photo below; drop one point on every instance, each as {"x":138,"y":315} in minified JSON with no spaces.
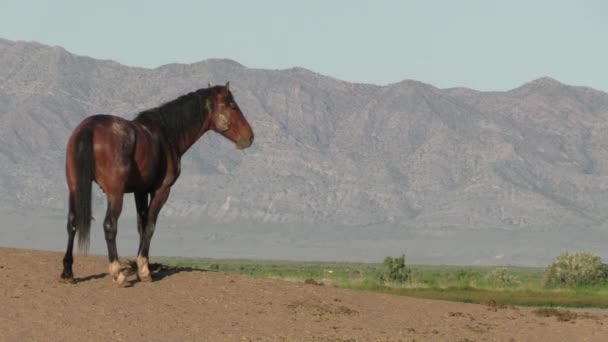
{"x":486,"y":45}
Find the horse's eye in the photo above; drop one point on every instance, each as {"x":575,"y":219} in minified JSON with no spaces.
{"x":232,"y":105}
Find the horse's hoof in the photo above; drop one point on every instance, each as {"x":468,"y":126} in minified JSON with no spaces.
{"x":145,"y":279}
{"x":121,"y":280}
{"x":67,"y":280}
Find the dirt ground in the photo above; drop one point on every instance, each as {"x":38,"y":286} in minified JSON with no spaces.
{"x":190,"y":305}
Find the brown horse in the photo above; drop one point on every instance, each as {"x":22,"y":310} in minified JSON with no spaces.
{"x":140,"y":156}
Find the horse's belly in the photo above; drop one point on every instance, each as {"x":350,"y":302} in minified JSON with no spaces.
{"x":142,"y":179}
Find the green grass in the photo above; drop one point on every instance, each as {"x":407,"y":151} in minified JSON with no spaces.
{"x":471,"y":284}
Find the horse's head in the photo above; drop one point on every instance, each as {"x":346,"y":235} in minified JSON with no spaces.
{"x":227,"y":118}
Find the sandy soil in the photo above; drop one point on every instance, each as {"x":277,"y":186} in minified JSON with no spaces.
{"x":188,"y":305}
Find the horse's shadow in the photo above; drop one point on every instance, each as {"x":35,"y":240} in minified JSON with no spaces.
{"x":91,"y":277}
{"x":129,"y":268}
{"x":159,"y":271}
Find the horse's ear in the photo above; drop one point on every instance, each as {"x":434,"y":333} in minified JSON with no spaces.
{"x":228,"y":85}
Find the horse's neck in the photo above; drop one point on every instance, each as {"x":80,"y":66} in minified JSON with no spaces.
{"x":178,"y":122}
{"x":191,"y":137}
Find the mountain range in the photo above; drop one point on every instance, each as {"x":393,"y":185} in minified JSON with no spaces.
{"x":404,"y":158}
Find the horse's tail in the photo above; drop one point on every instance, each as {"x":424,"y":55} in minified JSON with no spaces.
{"x":84,"y":162}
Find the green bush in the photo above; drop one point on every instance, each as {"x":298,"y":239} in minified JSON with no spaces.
{"x":578,"y":269}
{"x":500,"y":276}
{"x":395,"y":270}
{"x":464,"y":275}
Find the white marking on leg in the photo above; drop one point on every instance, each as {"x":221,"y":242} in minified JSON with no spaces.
{"x":114,"y":269}
{"x":142,"y":268}
{"x":117,"y":276}
{"x":120,"y":281}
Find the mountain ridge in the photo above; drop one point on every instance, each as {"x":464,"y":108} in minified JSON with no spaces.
{"x":540,"y":80}
{"x":327,"y":151}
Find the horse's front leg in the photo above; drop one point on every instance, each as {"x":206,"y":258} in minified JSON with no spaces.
{"x":141,"y":205}
{"x":159,"y":197}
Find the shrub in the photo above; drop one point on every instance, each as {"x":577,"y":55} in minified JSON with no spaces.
{"x":395,"y":270}
{"x":465,"y":275}
{"x":578,"y":269}
{"x":501,"y":276}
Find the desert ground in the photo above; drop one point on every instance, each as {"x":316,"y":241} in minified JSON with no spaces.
{"x":192,"y":305}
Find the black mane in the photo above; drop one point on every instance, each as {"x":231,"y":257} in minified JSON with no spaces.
{"x":177,"y":117}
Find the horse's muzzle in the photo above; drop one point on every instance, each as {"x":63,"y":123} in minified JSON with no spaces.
{"x":244,"y":142}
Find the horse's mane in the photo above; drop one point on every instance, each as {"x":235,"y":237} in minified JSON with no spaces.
{"x":178,"y":116}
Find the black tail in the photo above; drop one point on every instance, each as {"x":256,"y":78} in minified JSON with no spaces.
{"x":85,"y":163}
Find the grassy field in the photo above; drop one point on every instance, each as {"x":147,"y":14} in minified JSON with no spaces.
{"x":471,"y":284}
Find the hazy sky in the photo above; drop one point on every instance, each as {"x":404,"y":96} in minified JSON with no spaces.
{"x":487,"y":45}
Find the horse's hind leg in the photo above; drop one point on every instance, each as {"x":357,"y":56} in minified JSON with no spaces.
{"x":110,"y":228}
{"x":159,"y":197}
{"x":67,"y":275}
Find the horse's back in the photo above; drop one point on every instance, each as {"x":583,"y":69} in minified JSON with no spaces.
{"x":105,"y":125}
{"x":109,"y":132}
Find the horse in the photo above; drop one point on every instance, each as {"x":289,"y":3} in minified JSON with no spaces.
{"x":141,"y":156}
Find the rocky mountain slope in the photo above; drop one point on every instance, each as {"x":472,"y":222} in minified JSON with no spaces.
{"x":327,"y":152}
